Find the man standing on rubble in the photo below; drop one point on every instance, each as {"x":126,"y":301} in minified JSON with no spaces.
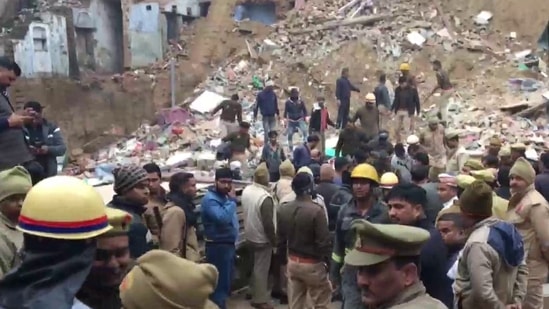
{"x":364,"y":205}
{"x":231,"y":114}
{"x":343,"y":96}
{"x":295,"y":113}
{"x":267,"y":103}
{"x":405,"y":106}
{"x":15,"y":150}
{"x":432,"y":140}
{"x":446,"y":88}
{"x":529,"y":212}
{"x":368,"y":116}
{"x":220,"y":221}
{"x":383,"y":102}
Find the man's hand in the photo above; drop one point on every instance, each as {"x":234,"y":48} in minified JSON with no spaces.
{"x":17,"y":121}
{"x":43,"y":150}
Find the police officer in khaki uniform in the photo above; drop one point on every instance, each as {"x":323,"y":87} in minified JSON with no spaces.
{"x":14,"y":185}
{"x":387,"y":257}
{"x":529,"y":212}
{"x":499,"y":207}
{"x":491,"y":272}
{"x":471,"y":165}
{"x":432,"y":140}
{"x":163,"y":280}
{"x":455,"y":153}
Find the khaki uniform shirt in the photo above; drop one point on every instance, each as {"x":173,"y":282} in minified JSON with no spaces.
{"x":414,"y":297}
{"x":433,"y":142}
{"x":150,"y":218}
{"x":484,"y":280}
{"x":529,"y":212}
{"x":11,"y":242}
{"x":174,"y":232}
{"x":456,"y":159}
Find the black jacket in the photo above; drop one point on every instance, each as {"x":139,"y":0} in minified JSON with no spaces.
{"x":137,"y":234}
{"x":327,"y":190}
{"x":314,"y":121}
{"x":406,"y":99}
{"x":433,"y":263}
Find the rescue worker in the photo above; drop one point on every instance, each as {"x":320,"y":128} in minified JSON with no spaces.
{"x":499,"y":205}
{"x":220,"y":221}
{"x":405,"y":72}
{"x":283,"y":186}
{"x":447,"y":90}
{"x":406,"y":203}
{"x":260,"y":233}
{"x":491,"y":272}
{"x":44,"y":139}
{"x":387,"y":182}
{"x":471,"y":165}
{"x":273,"y":154}
{"x":383,"y":102}
{"x":348,"y":140}
{"x":60,"y":217}
{"x":368,"y":116}
{"x":364,"y":205}
{"x":517,"y":150}
{"x":406,"y":104}
{"x":529,"y":212}
{"x":162,"y":280}
{"x":112,"y":262}
{"x":447,"y":189}
{"x":131,"y":185}
{"x":344,"y":87}
{"x":157,"y":201}
{"x":387,"y":257}
{"x":14,"y":185}
{"x":455,"y":153}
{"x":494,"y":146}
{"x":432,"y":139}
{"x":307,"y":253}
{"x":231,"y":114}
{"x":239,"y":143}
{"x":180,"y":218}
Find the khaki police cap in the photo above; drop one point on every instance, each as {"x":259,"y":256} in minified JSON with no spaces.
{"x":450,"y":134}
{"x":463,"y":181}
{"x":486,"y":175}
{"x":504,"y":152}
{"x":379,"y":242}
{"x":518,"y":146}
{"x":474,"y":165}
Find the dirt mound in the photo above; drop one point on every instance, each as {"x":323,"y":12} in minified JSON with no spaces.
{"x":527,"y":18}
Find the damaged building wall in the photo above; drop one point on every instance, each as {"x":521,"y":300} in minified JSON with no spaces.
{"x":44,"y":50}
{"x":147,"y":34}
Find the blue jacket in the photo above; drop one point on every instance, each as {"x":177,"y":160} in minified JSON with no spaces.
{"x":267,"y":103}
{"x":344,"y":88}
{"x":302,"y":156}
{"x":219,"y":217}
{"x":295,"y":110}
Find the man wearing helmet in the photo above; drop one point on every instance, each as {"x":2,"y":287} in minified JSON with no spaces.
{"x":387,"y":182}
{"x":364,"y":205}
{"x":60,"y":218}
{"x":368,"y":116}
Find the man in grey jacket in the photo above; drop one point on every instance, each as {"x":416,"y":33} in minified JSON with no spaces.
{"x":44,"y":139}
{"x":14,"y":149}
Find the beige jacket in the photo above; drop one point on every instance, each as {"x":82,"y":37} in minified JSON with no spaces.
{"x":11,"y":242}
{"x":282,"y":188}
{"x":433,"y":142}
{"x":150,"y":218}
{"x":456,"y":159}
{"x":174,"y":230}
{"x":414,"y":297}
{"x":529,"y":212}
{"x":484,"y":280}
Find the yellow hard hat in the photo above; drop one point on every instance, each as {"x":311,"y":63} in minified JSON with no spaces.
{"x":365,"y":171}
{"x":404,"y":67}
{"x":63,"y":207}
{"x":388,"y":180}
{"x":370,"y":97}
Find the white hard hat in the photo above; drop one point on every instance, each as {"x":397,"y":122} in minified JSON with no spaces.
{"x":412,"y":139}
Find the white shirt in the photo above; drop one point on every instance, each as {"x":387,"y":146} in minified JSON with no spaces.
{"x":450,"y":202}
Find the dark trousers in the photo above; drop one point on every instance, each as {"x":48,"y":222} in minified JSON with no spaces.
{"x":222,"y":257}
{"x":36,"y":170}
{"x":343,"y":113}
{"x":274,"y":176}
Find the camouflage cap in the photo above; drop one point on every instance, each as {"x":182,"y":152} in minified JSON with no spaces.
{"x":379,"y":242}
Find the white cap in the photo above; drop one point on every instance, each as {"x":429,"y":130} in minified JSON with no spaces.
{"x":270,"y":83}
{"x":531,"y":154}
{"x":412,"y":140}
{"x":235,"y":165}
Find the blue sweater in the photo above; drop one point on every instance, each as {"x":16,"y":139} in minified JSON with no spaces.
{"x":302,"y":156}
{"x":295,"y":110}
{"x":266,"y":103}
{"x":219,"y":217}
